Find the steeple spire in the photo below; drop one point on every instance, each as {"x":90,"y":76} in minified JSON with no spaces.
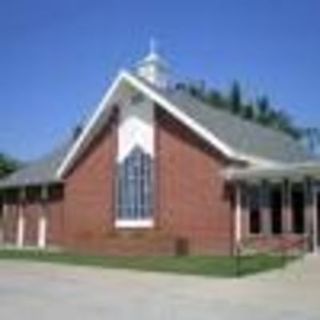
{"x":153,"y":68}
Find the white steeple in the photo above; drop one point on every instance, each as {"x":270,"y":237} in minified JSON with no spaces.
{"x":153,"y":68}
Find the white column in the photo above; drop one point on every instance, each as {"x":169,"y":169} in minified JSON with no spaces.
{"x":265,"y":207}
{"x":309,"y":206}
{"x":286,"y":207}
{"x":20,"y":226}
{"x":42,"y":230}
{"x":42,"y":220}
{"x":238,"y":213}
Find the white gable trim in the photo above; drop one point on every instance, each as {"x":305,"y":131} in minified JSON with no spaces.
{"x":178,"y":114}
{"x":91,"y":123}
{"x":168,"y":106}
{"x":191,"y":123}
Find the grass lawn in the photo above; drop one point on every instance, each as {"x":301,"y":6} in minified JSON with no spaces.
{"x":196,"y":265}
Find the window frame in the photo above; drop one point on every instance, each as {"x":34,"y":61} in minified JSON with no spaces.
{"x":135,"y":190}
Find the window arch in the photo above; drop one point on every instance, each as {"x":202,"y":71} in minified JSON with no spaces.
{"x":135,"y":187}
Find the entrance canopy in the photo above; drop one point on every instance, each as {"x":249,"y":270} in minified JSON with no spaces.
{"x":297,"y":171}
{"x":286,"y":198}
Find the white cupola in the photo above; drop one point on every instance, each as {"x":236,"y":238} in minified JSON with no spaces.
{"x":153,"y":68}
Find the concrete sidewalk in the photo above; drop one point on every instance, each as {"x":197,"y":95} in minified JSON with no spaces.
{"x":44,"y":291}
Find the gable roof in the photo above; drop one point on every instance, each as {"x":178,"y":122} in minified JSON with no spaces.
{"x":125,"y":78}
{"x":232,"y":136}
{"x":241,"y":135}
{"x":39,"y":172}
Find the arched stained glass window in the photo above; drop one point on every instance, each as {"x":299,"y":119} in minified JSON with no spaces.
{"x":135,"y":187}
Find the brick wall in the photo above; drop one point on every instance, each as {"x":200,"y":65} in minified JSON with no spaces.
{"x":10,"y":224}
{"x":55,"y":222}
{"x":89,"y":193}
{"x":192,"y":206}
{"x":32,"y":211}
{"x":193,"y":202}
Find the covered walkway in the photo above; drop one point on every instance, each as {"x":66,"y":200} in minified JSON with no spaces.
{"x":277,"y":200}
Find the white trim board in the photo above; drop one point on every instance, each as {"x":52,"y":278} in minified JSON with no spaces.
{"x":134,"y":224}
{"x":92,"y":121}
{"x":133,"y":81}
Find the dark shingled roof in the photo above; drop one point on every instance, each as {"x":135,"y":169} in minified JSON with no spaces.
{"x":241,"y":135}
{"x":38,"y":172}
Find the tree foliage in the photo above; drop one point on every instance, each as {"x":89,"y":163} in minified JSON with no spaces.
{"x":7,"y":165}
{"x":261,"y":111}
{"x":235,"y":98}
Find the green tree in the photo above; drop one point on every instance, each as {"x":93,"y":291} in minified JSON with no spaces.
{"x":181,"y":86}
{"x":283,"y":122}
{"x":235,"y":98}
{"x":216,"y":99}
{"x":7,"y":165}
{"x":248,"y":112}
{"x":196,"y":89}
{"x":263,"y":110}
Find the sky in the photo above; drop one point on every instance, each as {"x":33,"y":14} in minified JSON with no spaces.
{"x":57,"y":57}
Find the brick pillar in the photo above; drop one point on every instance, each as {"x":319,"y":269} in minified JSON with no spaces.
{"x":245,"y":211}
{"x":286,"y":207}
{"x":265,"y":208}
{"x":308,"y":209}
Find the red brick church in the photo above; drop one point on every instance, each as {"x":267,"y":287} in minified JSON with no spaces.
{"x":157,"y":172}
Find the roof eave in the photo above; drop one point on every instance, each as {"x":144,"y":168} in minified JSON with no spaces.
{"x":294,"y":171}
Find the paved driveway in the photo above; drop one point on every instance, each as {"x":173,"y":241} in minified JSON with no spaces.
{"x":43,"y":291}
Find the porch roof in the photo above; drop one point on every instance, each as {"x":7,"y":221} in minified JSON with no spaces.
{"x":280,"y":171}
{"x":40,"y":172}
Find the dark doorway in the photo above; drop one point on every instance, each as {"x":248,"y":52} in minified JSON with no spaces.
{"x":1,"y":222}
{"x":297,"y":202}
{"x":276,"y":209}
{"x":254,"y":210}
